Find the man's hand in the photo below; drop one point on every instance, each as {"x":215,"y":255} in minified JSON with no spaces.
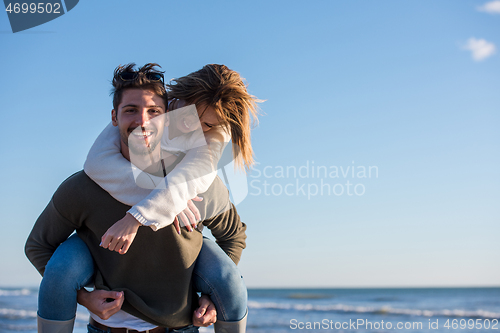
{"x":206,"y":314}
{"x":189,"y":216}
{"x":120,"y":235}
{"x":98,"y":303}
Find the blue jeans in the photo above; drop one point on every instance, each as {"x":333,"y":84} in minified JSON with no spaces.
{"x":71,"y":268}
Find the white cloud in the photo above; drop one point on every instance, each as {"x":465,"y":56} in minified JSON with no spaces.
{"x":492,"y":7}
{"x":480,"y":48}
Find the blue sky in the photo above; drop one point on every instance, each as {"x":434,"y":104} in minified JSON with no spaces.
{"x":389,"y":84}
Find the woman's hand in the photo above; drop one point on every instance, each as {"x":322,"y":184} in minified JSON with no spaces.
{"x":189,"y":216}
{"x":120,"y":235}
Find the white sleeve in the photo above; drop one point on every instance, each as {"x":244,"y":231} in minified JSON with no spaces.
{"x":193,"y":175}
{"x":106,"y":166}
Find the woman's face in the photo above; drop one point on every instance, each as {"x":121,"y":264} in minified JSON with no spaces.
{"x":188,"y":121}
{"x":208,"y":117}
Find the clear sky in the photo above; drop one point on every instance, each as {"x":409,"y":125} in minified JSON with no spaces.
{"x":408,"y":88}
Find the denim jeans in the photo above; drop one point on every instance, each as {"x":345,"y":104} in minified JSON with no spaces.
{"x":215,"y":274}
{"x":71,"y":268}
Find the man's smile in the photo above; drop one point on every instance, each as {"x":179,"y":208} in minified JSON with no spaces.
{"x":142,"y":139}
{"x":141,"y":132}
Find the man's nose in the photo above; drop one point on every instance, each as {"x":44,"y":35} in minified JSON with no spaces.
{"x":143,"y":118}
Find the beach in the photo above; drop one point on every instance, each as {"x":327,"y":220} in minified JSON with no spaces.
{"x":322,"y":310}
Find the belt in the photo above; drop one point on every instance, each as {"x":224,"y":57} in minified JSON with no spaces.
{"x":123,"y":329}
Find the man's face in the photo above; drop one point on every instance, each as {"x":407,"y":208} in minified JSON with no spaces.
{"x":138,"y":122}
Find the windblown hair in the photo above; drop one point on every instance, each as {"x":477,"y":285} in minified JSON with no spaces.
{"x":224,"y":90}
{"x":141,"y":82}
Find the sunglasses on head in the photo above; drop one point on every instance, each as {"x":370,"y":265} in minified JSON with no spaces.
{"x":151,"y":76}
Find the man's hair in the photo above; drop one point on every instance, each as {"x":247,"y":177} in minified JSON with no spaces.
{"x":224,"y":90}
{"x":140,"y":82}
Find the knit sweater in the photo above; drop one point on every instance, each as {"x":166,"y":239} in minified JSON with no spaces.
{"x":157,"y":209}
{"x":155,"y":274}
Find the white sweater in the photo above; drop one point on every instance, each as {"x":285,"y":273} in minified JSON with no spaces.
{"x":156,"y":208}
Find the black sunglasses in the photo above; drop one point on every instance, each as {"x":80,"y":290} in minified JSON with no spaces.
{"x":131,"y":76}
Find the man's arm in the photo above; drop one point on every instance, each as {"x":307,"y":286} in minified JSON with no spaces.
{"x":226,"y":226}
{"x":49,"y":231}
{"x":52,"y":227}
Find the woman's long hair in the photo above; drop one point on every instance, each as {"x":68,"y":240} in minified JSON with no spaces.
{"x":224,"y":90}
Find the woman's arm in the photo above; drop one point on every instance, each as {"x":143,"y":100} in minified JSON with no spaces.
{"x":107,"y":167}
{"x":158,"y":208}
{"x":193,"y":175}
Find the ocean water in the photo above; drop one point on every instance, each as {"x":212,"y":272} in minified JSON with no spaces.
{"x":323,"y":310}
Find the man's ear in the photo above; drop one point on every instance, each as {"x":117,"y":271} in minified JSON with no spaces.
{"x":113,"y":118}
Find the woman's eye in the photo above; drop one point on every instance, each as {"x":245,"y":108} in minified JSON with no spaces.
{"x":208,"y":125}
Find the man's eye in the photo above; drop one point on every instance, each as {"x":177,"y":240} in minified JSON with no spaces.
{"x":129,"y":110}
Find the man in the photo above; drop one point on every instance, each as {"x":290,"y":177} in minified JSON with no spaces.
{"x":152,"y":282}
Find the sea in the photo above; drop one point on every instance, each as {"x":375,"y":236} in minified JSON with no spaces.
{"x":322,"y":310}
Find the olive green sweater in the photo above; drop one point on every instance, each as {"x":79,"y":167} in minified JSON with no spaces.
{"x":155,"y":273}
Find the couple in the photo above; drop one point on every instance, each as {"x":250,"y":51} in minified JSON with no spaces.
{"x":146,"y":269}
